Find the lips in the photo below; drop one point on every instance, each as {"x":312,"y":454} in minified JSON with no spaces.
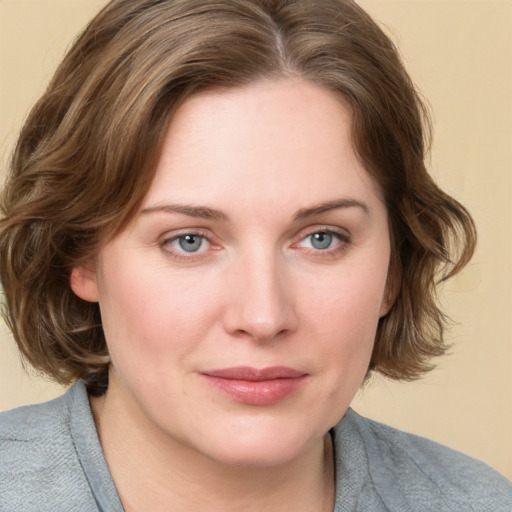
{"x":255,"y":386}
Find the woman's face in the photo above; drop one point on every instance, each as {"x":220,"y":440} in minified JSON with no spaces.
{"x":240,"y":306}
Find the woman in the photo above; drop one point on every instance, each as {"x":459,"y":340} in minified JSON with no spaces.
{"x":217,"y":224}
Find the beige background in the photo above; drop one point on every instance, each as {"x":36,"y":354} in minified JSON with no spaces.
{"x":459,"y":52}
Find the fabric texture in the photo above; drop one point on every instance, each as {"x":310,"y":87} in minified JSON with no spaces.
{"x":51,"y":461}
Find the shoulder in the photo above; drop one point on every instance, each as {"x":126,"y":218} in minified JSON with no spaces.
{"x":29,"y":432}
{"x":25,"y":422}
{"x":410,"y":472}
{"x":39,"y":465}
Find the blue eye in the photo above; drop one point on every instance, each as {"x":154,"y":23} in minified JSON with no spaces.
{"x":189,"y":243}
{"x":321,"y":240}
{"x":188,"y":246}
{"x":324,"y":241}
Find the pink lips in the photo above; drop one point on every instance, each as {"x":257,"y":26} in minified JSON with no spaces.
{"x":256,"y":387}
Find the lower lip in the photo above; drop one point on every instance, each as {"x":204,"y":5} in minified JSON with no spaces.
{"x":264,"y":392}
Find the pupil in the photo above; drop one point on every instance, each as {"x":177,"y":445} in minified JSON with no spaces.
{"x":190,"y":243}
{"x":321,"y":240}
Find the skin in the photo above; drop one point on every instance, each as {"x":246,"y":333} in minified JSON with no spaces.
{"x":252,"y":174}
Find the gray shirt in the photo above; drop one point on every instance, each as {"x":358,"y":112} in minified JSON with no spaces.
{"x":51,"y":461}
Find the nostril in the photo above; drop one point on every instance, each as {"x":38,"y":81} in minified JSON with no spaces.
{"x":260,"y":301}
{"x":241,"y":324}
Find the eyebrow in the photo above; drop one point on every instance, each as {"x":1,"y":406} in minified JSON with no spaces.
{"x":205,"y":212}
{"x":335,"y":204}
{"x":202,"y":212}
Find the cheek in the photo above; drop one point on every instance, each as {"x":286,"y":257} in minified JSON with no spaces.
{"x":344,"y":317}
{"x":146,"y":313}
{"x":342,"y":324}
{"x":346,"y":328}
{"x":349,"y":302}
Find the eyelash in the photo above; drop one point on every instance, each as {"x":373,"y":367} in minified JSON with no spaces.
{"x":183,"y":255}
{"x":343,"y":240}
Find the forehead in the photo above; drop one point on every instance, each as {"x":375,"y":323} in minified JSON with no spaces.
{"x":269,"y":143}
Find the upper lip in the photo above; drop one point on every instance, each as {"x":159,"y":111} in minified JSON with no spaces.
{"x":254,"y":374}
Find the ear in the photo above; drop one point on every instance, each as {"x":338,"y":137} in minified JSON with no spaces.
{"x":392,"y":288}
{"x":84,"y":283}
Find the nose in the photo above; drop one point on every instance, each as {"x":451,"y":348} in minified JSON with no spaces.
{"x":260,"y":299}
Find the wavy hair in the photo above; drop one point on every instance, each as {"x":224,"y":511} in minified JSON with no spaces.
{"x":87,"y":153}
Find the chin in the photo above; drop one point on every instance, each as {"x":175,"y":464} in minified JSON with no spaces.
{"x":256,"y":455}
{"x":260,"y":444}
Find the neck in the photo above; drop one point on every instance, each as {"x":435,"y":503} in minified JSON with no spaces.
{"x":174,"y":473}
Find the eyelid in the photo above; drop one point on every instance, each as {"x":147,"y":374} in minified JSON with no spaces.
{"x":175,"y":234}
{"x":342,"y":235}
{"x":323,"y":228}
{"x":165,"y":243}
{"x":167,"y":239}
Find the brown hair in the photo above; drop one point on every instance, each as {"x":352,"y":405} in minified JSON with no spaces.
{"x":87,"y":154}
